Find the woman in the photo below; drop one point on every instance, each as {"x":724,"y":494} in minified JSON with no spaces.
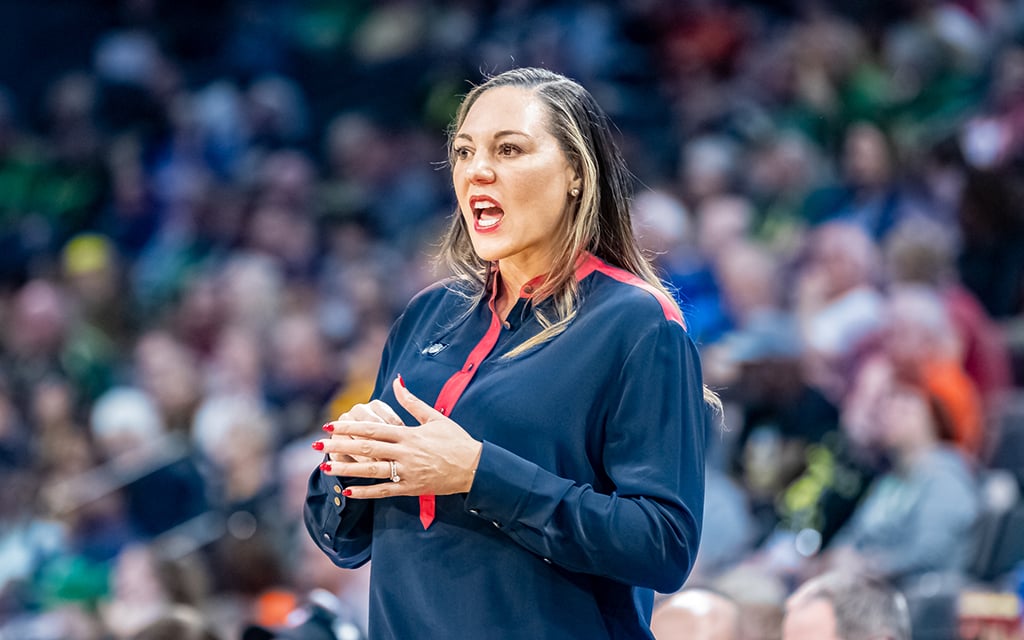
{"x":916,"y":405}
{"x":556,"y":473}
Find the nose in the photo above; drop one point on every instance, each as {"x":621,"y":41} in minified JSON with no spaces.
{"x":480,"y":170}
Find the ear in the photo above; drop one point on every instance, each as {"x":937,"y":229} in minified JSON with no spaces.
{"x":572,"y":172}
{"x":575,"y":181}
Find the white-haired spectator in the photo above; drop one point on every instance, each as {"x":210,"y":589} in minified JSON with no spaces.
{"x":697,"y":614}
{"x":124,"y":419}
{"x":154,"y":469}
{"x":836,"y":606}
{"x":661,"y":223}
{"x":838,"y":303}
{"x":922,"y":251}
{"x":232,"y":429}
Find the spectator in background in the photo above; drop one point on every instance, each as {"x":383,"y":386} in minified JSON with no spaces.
{"x":103,"y":317}
{"x":236,"y":440}
{"x":918,"y":517}
{"x":147,"y":586}
{"x":870,"y":195}
{"x":782,"y":170}
{"x":760,"y":596}
{"x":921,"y":251}
{"x":838,"y":303}
{"x":760,"y":364}
{"x":696,"y":614}
{"x":301,"y":376}
{"x":841,"y":606}
{"x":166,"y":370}
{"x":37,"y":327}
{"x":991,"y":259}
{"x":920,"y":346}
{"x":160,"y":478}
{"x":821,"y":507}
{"x":180,"y":623}
{"x":720,"y":221}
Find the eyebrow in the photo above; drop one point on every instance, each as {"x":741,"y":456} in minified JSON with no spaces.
{"x":498,"y":134}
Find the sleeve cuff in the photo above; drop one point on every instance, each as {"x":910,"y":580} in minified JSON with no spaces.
{"x":501,"y":486}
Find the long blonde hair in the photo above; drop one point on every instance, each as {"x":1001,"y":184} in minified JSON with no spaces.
{"x":598,"y":221}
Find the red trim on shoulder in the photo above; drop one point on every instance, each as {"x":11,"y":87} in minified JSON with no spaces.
{"x":591,"y":263}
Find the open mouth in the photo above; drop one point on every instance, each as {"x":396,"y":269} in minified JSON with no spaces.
{"x":487,"y":213}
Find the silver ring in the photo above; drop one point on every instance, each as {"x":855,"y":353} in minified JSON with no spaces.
{"x":394,"y":472}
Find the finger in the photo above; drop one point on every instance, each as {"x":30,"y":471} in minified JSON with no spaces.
{"x":368,"y":430}
{"x":418,"y":409}
{"x":346,"y":458}
{"x":363,"y":413}
{"x":337,"y":457}
{"x":359,"y":412}
{"x":384,"y":411}
{"x":377,"y":469}
{"x":379,"y":490}
{"x":360,"y":448}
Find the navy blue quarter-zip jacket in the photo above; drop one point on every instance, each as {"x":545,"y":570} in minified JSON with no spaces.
{"x":590,"y":487}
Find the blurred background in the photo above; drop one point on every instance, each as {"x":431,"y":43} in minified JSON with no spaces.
{"x":211,"y":211}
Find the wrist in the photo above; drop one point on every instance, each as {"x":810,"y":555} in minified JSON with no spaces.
{"x":471,"y":476}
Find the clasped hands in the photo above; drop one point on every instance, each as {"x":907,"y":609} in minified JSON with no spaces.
{"x":437,"y":457}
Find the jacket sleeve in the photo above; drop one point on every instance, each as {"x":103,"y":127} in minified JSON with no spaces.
{"x":340,"y":526}
{"x":343,"y":530}
{"x":645,"y":533}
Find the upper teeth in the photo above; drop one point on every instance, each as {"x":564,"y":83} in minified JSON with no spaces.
{"x":483,"y":204}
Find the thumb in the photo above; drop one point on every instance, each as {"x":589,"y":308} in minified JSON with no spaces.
{"x":418,"y":409}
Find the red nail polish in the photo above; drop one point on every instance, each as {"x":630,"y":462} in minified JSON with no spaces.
{"x":346,"y":492}
{"x":328,"y":427}
{"x":401,"y":381}
{"x":319,"y":446}
{"x":325,"y":466}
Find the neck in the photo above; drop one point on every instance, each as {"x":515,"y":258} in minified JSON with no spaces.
{"x":518,"y":270}
{"x":909,"y":455}
{"x":515,"y":274}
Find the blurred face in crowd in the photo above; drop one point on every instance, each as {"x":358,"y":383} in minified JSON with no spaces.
{"x":866,"y":156}
{"x":695,"y":614}
{"x":843,"y":254}
{"x":918,"y":330}
{"x":511,"y":178}
{"x":810,"y":620}
{"x":907,"y":422}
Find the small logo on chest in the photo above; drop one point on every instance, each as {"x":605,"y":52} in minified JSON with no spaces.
{"x":434,"y":348}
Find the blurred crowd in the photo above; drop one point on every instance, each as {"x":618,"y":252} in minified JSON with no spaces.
{"x":212,"y":211}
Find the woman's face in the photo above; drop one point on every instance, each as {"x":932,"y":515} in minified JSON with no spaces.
{"x":511,"y":178}
{"x":907,"y":421}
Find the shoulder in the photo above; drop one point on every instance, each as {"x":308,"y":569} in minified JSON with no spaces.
{"x":612,"y":291}
{"x":435,"y":309}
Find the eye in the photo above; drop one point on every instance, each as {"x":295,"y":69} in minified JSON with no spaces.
{"x":461,"y":153}
{"x":508,"y":149}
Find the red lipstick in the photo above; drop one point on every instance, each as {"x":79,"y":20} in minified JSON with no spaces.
{"x":487,"y":213}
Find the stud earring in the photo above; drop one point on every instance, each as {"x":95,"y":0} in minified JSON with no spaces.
{"x":575,"y":192}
